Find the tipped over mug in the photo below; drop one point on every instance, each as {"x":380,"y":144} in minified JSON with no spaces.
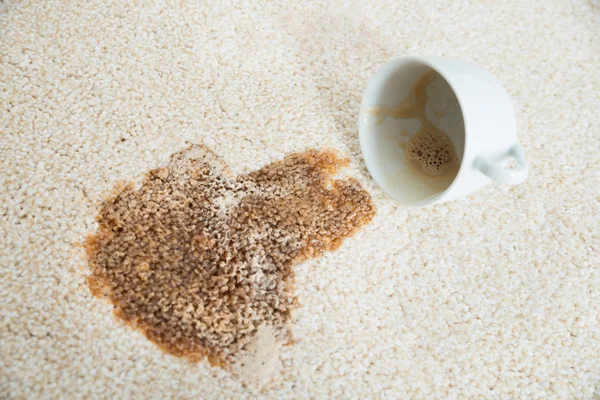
{"x":461,"y":102}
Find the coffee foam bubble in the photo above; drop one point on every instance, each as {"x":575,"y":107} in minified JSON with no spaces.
{"x":431,"y":151}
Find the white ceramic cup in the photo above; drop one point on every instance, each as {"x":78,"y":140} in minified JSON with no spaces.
{"x":478,"y":116}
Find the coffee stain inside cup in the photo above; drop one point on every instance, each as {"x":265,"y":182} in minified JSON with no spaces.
{"x":429,"y":153}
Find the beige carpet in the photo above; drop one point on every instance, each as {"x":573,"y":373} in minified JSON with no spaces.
{"x":493,"y":296}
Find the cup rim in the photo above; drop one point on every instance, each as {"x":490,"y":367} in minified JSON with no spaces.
{"x":393,"y":66}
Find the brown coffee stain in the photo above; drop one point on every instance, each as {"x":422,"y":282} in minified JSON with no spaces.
{"x":411,"y":107}
{"x":199,"y":259}
{"x":430,"y":151}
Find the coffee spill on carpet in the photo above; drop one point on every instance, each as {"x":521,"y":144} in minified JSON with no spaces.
{"x":201,"y":260}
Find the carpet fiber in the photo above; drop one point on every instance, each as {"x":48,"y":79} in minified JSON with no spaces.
{"x":492,"y":296}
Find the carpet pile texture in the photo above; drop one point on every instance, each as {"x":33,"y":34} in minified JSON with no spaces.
{"x":492,"y":296}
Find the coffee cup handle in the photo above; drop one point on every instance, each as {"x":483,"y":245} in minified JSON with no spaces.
{"x":498,"y":173}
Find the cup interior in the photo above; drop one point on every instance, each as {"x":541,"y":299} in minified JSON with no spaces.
{"x":384,"y":140}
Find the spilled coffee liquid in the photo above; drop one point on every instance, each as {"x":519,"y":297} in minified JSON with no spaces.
{"x":429,"y":152}
{"x":202,"y":260}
